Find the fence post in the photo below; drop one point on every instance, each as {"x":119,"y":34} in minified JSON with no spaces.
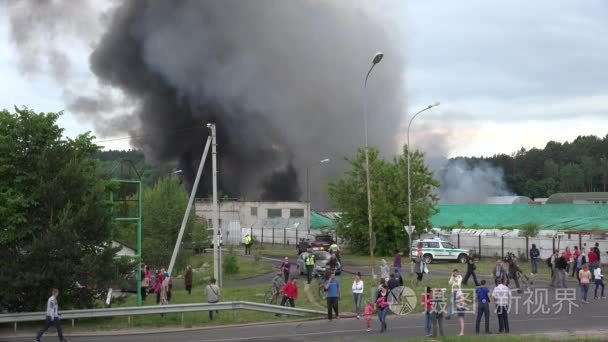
{"x":297,"y":240}
{"x":273,"y":235}
{"x":15,"y":327}
{"x":458,"y":239}
{"x":262,"y":239}
{"x":284,"y":236}
{"x":502,"y":246}
{"x":479,"y":239}
{"x":553,"y":250}
{"x":580,"y":241}
{"x":527,"y":247}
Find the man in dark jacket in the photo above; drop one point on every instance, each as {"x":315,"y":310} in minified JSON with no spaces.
{"x":561,"y":264}
{"x":392,"y":282}
{"x":470,"y":271}
{"x":534,"y":254}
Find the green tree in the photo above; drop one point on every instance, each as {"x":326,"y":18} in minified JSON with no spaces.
{"x":551,"y":169}
{"x":54,"y":215}
{"x":389,"y":200}
{"x":200,"y":236}
{"x":572,"y":178}
{"x":163,"y":210}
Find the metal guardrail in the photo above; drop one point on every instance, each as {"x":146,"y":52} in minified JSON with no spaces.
{"x":159,"y":309}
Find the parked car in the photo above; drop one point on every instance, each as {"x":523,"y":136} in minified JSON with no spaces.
{"x":433,"y":249}
{"x":317,"y":243}
{"x":321,"y":260}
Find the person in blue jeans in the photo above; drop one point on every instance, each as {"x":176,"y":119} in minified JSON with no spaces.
{"x":332,"y":286}
{"x":52,"y":317}
{"x":382,"y":305}
{"x":483,"y":306}
{"x":427,"y":301}
{"x":534,"y":254}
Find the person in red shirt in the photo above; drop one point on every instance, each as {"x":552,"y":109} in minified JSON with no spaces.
{"x":568,"y":257}
{"x":575,"y":255}
{"x":290,"y":293}
{"x":592,"y":260}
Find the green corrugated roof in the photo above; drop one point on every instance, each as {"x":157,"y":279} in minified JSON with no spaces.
{"x":318,"y":221}
{"x":549,"y":216}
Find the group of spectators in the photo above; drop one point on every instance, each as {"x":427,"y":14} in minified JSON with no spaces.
{"x":578,"y":262}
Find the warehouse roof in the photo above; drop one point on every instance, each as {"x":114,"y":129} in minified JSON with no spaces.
{"x":548,"y":216}
{"x":569,"y":197}
{"x":318,"y":221}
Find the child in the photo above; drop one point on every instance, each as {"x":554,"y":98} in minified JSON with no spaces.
{"x":599,"y":281}
{"x":367,"y":314}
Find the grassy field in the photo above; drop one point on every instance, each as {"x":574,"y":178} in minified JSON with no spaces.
{"x":248,"y":268}
{"x":484,"y":266}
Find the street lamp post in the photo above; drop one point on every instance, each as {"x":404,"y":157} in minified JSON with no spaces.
{"x":410,"y":229}
{"x":377,"y":58}
{"x":323,"y":161}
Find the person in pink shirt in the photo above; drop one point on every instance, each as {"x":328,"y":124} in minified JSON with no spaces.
{"x":575,"y":255}
{"x":367,"y":314}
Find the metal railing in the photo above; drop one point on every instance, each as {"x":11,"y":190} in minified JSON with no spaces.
{"x":159,"y":309}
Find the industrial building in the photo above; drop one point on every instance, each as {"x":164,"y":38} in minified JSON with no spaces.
{"x":275,"y":222}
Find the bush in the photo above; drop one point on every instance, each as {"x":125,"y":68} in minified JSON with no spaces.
{"x":529,"y":229}
{"x":258,"y":249}
{"x":230,"y":263}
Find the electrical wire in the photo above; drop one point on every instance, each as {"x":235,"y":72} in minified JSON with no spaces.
{"x":177,"y":130}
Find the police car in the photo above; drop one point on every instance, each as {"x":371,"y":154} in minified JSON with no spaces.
{"x":436,"y":249}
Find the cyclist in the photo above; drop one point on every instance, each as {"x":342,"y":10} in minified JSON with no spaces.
{"x":334,"y":249}
{"x":333,"y":263}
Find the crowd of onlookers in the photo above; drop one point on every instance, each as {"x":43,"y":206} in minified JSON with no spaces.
{"x":585,"y":266}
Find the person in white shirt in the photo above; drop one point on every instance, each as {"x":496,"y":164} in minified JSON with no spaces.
{"x":599,"y":281}
{"x":502,"y":298}
{"x":52,"y":317}
{"x":456,"y":283}
{"x":358,"y":293}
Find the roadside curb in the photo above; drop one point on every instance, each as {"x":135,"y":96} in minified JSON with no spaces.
{"x":128,"y":332}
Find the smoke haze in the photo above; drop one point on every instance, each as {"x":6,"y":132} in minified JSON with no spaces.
{"x":462,"y":183}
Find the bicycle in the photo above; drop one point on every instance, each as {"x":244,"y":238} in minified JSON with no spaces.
{"x":271,"y":296}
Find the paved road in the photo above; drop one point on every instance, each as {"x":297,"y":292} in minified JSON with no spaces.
{"x":591,"y":317}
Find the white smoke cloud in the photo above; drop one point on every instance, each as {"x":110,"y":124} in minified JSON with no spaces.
{"x":462,"y":183}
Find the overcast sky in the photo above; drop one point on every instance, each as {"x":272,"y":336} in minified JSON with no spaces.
{"x":508,"y":74}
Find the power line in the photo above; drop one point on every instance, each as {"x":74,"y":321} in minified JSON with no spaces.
{"x":177,"y":130}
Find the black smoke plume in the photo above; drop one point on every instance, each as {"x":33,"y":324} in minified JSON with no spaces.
{"x":282,"y":81}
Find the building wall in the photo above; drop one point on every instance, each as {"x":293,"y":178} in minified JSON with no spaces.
{"x":238,"y":218}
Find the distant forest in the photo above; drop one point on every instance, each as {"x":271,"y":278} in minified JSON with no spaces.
{"x":577,"y":166}
{"x":132,"y":164}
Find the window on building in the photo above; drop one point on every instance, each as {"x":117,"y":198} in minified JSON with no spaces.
{"x":274,"y":213}
{"x":295,"y":213}
{"x":254,"y":211}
